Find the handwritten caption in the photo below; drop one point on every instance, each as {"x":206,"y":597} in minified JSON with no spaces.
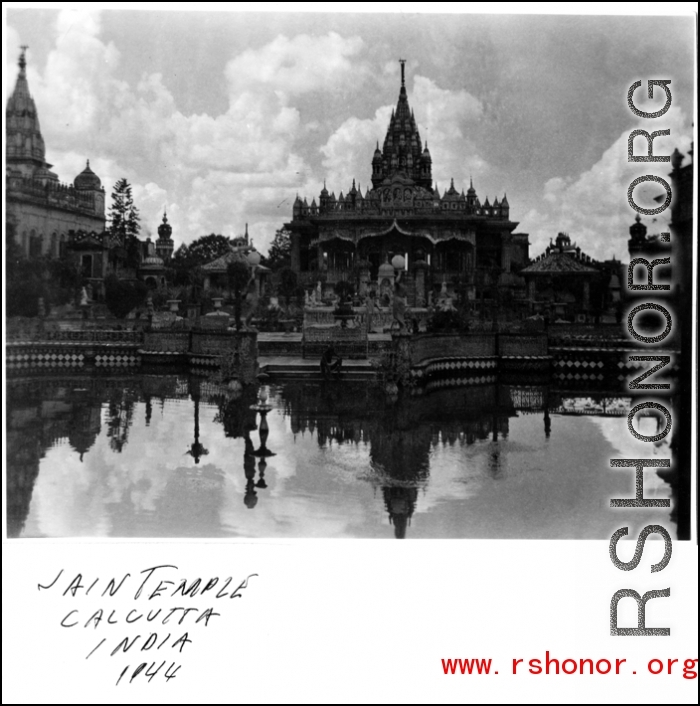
{"x":154,"y":623}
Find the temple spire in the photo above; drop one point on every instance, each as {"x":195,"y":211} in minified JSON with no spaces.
{"x":403,"y":78}
{"x":25,"y":145}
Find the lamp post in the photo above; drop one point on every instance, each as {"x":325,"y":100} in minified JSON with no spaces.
{"x":197,"y":449}
{"x":263,"y":407}
{"x":253,"y":258}
{"x":398,"y":262}
{"x":262,"y":453}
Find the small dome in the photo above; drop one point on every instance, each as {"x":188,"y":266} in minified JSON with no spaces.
{"x":165,"y":229}
{"x":151,"y":262}
{"x":386,"y":271}
{"x":87,"y":179}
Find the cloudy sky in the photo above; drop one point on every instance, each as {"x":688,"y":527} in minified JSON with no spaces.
{"x":223,"y":117}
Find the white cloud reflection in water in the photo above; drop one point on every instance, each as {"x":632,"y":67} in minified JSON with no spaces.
{"x":522,"y":486}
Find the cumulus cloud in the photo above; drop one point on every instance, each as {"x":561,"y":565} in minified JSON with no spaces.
{"x":348,"y":151}
{"x":593,"y":207}
{"x":298,"y":65}
{"x":215,"y":172}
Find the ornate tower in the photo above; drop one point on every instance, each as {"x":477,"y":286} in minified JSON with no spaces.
{"x":164,"y":244}
{"x":402,"y":152}
{"x":25,"y":150}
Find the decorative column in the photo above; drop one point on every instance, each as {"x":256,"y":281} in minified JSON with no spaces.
{"x":505,"y":253}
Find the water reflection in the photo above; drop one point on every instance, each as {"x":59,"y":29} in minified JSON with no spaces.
{"x":103,"y":456}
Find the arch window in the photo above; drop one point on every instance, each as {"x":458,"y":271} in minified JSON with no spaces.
{"x":34,"y":244}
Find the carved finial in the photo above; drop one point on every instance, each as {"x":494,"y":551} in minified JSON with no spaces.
{"x":22,"y":57}
{"x":637,"y":218}
{"x":403,"y":64}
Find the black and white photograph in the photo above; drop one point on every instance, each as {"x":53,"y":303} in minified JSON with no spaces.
{"x":310,"y":275}
{"x":327,"y":276}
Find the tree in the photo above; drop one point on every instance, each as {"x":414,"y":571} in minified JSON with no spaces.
{"x":202,"y":250}
{"x":189,"y":258}
{"x":280,"y":253}
{"x":121,"y":296}
{"x":288,"y":285}
{"x":124,"y":220}
{"x":55,"y":281}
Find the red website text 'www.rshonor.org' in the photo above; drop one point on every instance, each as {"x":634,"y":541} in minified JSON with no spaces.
{"x":686,"y":668}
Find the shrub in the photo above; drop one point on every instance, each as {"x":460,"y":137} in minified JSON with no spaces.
{"x":121,"y":296}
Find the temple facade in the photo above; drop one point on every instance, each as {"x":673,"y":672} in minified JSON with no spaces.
{"x":566,"y":283}
{"x":450,"y":241}
{"x":40,"y":210}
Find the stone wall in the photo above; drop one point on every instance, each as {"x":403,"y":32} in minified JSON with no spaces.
{"x":167,"y":341}
{"x":238,"y":349}
{"x":522,"y":345}
{"x":451,"y":345}
{"x":382,"y":318}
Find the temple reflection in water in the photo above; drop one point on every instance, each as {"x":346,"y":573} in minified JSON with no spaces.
{"x":321,"y":459}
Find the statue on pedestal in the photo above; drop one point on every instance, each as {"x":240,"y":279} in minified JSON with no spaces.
{"x":444,"y":302}
{"x":371,"y":306}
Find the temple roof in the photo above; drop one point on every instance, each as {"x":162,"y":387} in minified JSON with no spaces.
{"x":223,"y":261}
{"x":558,"y":263}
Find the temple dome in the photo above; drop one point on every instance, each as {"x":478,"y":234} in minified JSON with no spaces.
{"x":152,"y":262}
{"x":386,"y":271}
{"x":87,"y":180}
{"x":165,"y":230}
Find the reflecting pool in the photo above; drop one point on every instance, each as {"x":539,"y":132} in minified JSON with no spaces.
{"x":170,"y":455}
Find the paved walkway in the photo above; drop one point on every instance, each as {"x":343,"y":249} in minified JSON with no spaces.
{"x":267,"y":336}
{"x":288,"y":361}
